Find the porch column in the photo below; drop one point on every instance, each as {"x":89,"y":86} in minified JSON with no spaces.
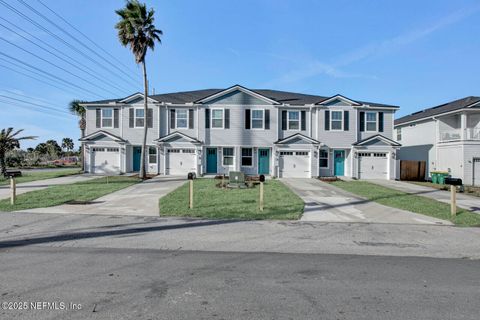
{"x":463,"y":125}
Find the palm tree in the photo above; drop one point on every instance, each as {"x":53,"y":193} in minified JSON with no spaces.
{"x":136,"y":30}
{"x":75,"y":107}
{"x":9,"y":140}
{"x":67,"y":144}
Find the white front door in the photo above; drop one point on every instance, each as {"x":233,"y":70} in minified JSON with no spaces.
{"x":294,"y":164}
{"x":105,"y":160}
{"x":372,"y":165}
{"x":180,"y":161}
{"x":476,"y":172}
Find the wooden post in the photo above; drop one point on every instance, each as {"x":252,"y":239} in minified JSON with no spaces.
{"x":191,"y":195}
{"x":453,"y":201}
{"x":13,"y":189}
{"x":261,"y":196}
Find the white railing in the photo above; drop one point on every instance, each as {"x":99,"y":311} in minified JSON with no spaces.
{"x":450,"y":135}
{"x":456,"y":134}
{"x":473,"y":133}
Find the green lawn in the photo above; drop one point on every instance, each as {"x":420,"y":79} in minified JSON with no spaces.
{"x":41,"y":175}
{"x":470,"y":190}
{"x":60,"y":194}
{"x":401,"y":200}
{"x":215,"y":203}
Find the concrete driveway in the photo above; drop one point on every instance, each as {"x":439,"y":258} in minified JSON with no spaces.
{"x":464,"y":201}
{"x":140,"y":199}
{"x":42,"y":184}
{"x":324,"y":202}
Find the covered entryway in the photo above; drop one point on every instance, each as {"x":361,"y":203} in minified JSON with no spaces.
{"x":105,"y":160}
{"x":180,"y":161}
{"x":373,"y":165}
{"x":294,"y":164}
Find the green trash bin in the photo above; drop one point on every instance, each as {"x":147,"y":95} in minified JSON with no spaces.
{"x":441,"y":177}
{"x":434,"y":177}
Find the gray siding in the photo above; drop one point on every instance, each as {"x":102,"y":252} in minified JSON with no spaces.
{"x":237,"y":97}
{"x":337,"y":139}
{"x":387,"y":124}
{"x":287,"y":133}
{"x":237,"y":135}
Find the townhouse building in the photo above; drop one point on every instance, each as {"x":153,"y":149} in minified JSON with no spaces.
{"x":215,"y":131}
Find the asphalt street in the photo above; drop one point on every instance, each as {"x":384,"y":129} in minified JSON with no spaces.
{"x":100,"y":267}
{"x":157,"y":284}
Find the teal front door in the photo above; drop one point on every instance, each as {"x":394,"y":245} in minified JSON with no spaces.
{"x":211,"y":160}
{"x":137,"y":153}
{"x":263,"y":161}
{"x":339,"y":162}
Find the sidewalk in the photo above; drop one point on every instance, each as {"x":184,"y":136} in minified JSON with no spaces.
{"x":464,"y":201}
{"x":42,"y":184}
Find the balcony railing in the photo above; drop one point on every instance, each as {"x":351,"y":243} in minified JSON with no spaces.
{"x":456,"y":134}
{"x":473,"y":134}
{"x":451,"y":135}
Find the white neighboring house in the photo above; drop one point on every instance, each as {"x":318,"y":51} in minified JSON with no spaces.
{"x":447,"y":137}
{"x":214,"y":131}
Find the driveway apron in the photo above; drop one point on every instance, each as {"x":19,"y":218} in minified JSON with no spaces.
{"x":140,"y":199}
{"x":324,"y":202}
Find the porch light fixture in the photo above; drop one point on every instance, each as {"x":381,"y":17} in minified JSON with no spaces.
{"x":356,"y":155}
{"x":394,"y":155}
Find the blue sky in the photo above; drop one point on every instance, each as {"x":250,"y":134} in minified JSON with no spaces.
{"x":414,"y":54}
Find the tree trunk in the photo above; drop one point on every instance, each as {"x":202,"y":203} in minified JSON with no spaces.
{"x":3,"y":167}
{"x":143,"y":173}
{"x":82,"y":149}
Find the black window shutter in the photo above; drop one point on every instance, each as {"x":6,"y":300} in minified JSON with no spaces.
{"x":115,"y":118}
{"x":190,"y":118}
{"x":327,"y":120}
{"x":303,"y":119}
{"x":346,"y":120}
{"x":362,"y":121}
{"x":380,"y":121}
{"x":284,"y":119}
{"x":131,"y":119}
{"x":98,"y":120}
{"x":150,"y":118}
{"x":227,"y":118}
{"x":247,"y":119}
{"x":172,"y":118}
{"x":207,"y":118}
{"x":267,"y":119}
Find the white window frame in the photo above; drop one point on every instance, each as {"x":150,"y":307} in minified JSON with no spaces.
{"x":211,"y":118}
{"x":399,"y":134}
{"x":232,"y":156}
{"x":263,"y":119}
{"x":149,"y":154}
{"x":341,"y":120}
{"x":102,"y":118}
{"x":366,"y":121}
{"x":186,"y":118}
{"x":135,"y":118}
{"x":320,"y":158}
{"x":241,"y":158}
{"x":299,"y":120}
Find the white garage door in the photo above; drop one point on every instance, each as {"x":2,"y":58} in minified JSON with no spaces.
{"x":105,"y":160}
{"x":180,"y":161}
{"x":373,"y":165}
{"x":294,"y":164}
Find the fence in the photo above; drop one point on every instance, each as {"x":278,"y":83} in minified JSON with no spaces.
{"x":412,"y":170}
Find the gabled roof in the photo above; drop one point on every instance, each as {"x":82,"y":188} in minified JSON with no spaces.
{"x":180,"y":135}
{"x":297,"y":136}
{"x":135,"y":96}
{"x":99,"y":133}
{"x":377,"y":137}
{"x":339,"y":97}
{"x":438,"y":110}
{"x":236,"y":87}
{"x":279,"y":97}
